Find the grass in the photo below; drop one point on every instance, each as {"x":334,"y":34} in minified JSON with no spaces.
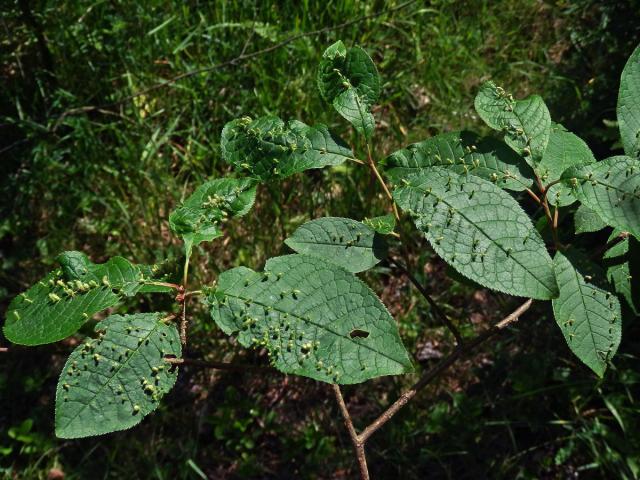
{"x":104,"y":182}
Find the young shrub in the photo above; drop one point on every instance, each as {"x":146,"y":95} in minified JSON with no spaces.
{"x":309,"y":310}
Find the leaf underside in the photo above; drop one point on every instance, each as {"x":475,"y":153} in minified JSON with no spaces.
{"x":315,"y":319}
{"x":589,"y":317}
{"x":526,"y":123}
{"x":111,"y":383}
{"x":267,"y":148}
{"x":611,"y":188}
{"x":347,"y":243}
{"x":59,"y":304}
{"x":463,"y":152}
{"x":481,"y":231}
{"x":629,"y":105}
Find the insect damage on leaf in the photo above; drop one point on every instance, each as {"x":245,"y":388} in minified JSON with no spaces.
{"x":348,"y":79}
{"x":267,"y":148}
{"x":315,"y":319}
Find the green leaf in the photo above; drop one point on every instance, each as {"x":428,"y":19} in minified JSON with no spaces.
{"x":623,"y":265}
{"x":480,"y":230}
{"x":611,"y":188}
{"x":111,"y":383}
{"x":629,"y":105}
{"x":267,"y":148}
{"x":586,"y":220}
{"x":564,"y":150}
{"x":154,"y":274}
{"x":59,"y":304}
{"x":345,"y":242}
{"x":314,"y":318}
{"x":463,"y":152}
{"x":201,"y":215}
{"x":120,"y":274}
{"x":526,"y":123}
{"x":348,"y":79}
{"x":589,"y":317}
{"x":384,"y":224}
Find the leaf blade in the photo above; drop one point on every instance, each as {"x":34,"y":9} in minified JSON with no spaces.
{"x":348,"y":79}
{"x":564,"y":151}
{"x":481,"y":231}
{"x":100,"y":388}
{"x":201,"y":216}
{"x":266,"y":148}
{"x":587,"y":221}
{"x":305,"y":311}
{"x":611,"y":188}
{"x":463,"y":152}
{"x":588,"y":316}
{"x":59,"y":304}
{"x":628,"y":107}
{"x":526,"y":122}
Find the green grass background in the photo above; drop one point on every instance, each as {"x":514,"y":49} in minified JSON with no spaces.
{"x":104,"y":181}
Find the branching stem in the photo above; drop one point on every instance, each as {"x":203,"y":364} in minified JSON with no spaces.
{"x":547,"y":211}
{"x":443,"y":365}
{"x":358,"y":444}
{"x":359,"y":440}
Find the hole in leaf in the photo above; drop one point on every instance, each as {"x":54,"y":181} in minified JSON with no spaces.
{"x":358,"y":334}
{"x":172,"y":366}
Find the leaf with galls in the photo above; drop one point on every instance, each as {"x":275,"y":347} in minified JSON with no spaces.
{"x":314,"y":318}
{"x":59,"y":304}
{"x":112,"y":382}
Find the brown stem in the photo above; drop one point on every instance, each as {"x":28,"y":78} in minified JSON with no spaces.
{"x":358,"y":444}
{"x":175,"y":286}
{"x":547,"y":211}
{"x":434,"y":306}
{"x":216,"y":365}
{"x":460,"y":351}
{"x":181,"y":298}
{"x":382,"y":183}
{"x":533,"y":195}
{"x":3,"y":350}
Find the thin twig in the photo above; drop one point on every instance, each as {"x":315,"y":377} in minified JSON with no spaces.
{"x":374,"y":169}
{"x":4,"y":349}
{"x":547,"y":211}
{"x":183,"y":323}
{"x":533,"y":195}
{"x":193,"y":292}
{"x":358,"y":445}
{"x":175,"y":286}
{"x":459,"y":352}
{"x":215,"y":365}
{"x":235,"y":61}
{"x":434,"y":306}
